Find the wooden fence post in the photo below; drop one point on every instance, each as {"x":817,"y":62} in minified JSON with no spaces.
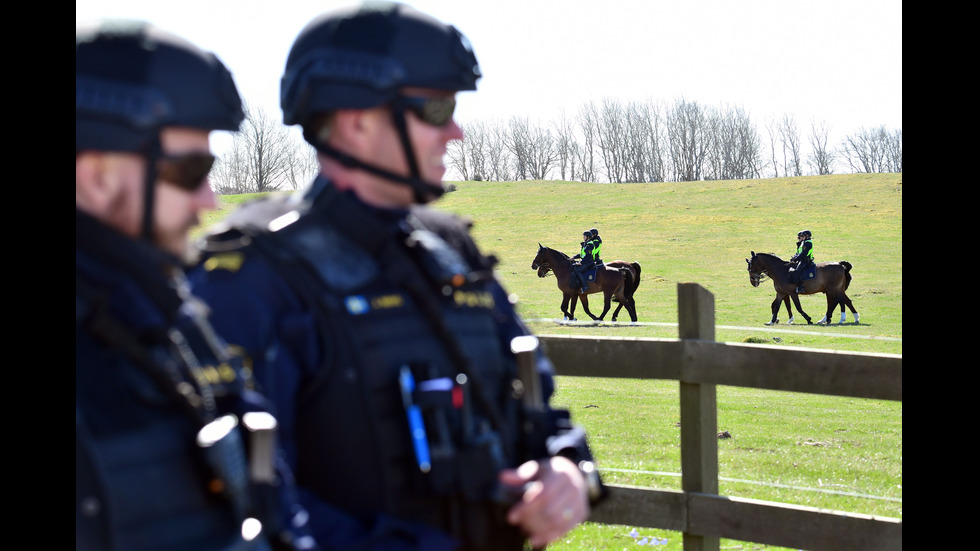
{"x":699,"y":413}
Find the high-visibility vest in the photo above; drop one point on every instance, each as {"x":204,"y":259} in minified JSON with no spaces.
{"x":809,"y":253}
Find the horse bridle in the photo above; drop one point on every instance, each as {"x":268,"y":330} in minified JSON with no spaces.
{"x":543,"y":267}
{"x":756,"y":278}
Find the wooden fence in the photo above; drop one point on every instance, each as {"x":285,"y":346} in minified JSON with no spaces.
{"x":699,"y":364}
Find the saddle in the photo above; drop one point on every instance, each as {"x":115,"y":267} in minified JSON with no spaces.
{"x":807,"y":273}
{"x":581,"y":277}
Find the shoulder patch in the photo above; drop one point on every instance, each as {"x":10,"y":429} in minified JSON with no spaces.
{"x":229,"y":261}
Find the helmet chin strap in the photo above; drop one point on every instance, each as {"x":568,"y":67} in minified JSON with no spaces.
{"x":149,"y":189}
{"x":422,"y":191}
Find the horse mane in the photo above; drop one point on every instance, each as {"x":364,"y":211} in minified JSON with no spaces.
{"x":557,"y":251}
{"x":774,"y":256}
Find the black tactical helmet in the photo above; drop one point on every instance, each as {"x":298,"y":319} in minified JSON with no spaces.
{"x":804,"y":234}
{"x":132,"y":79}
{"x":594,"y":232}
{"x":362,"y":57}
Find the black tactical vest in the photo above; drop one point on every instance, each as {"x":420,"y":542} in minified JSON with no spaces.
{"x":354,"y":445}
{"x":143,"y":480}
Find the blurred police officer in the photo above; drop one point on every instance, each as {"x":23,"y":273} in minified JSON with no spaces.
{"x":375,"y":322}
{"x":163,"y":418}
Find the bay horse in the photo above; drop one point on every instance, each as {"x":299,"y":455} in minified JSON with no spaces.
{"x":833,"y":279}
{"x":632,"y":267}
{"x":611,"y":281}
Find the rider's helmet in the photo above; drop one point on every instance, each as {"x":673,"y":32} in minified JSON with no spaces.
{"x":132,"y":79}
{"x":594,"y":232}
{"x":587,"y":234}
{"x":362,"y":57}
{"x":805,"y":234}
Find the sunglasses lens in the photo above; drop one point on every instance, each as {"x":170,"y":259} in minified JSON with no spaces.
{"x":434,"y":111}
{"x":187,"y":172}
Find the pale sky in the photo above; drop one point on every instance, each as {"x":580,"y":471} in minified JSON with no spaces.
{"x":837,"y":62}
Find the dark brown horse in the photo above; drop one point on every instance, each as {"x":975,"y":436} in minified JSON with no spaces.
{"x":611,"y":281}
{"x":634,"y":269}
{"x":833,"y":279}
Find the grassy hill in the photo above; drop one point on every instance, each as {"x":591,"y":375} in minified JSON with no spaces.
{"x":700,"y":232}
{"x":819,"y":451}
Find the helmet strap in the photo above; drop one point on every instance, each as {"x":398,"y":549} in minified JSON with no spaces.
{"x":398,"y":117}
{"x":153,"y":153}
{"x":423,"y":192}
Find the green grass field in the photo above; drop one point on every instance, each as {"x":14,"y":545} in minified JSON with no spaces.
{"x":818,"y":451}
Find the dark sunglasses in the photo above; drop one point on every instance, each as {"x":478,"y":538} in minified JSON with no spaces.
{"x":434,"y":111}
{"x":187,"y":171}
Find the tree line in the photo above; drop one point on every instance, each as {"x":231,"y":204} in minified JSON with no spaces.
{"x":608,"y":141}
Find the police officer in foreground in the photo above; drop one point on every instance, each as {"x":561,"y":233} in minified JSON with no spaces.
{"x":375,"y":322}
{"x":172,"y":452}
{"x":803,"y":258}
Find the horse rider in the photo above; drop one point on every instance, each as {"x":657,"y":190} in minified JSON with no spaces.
{"x":597,"y":245}
{"x":803,"y":258}
{"x":587,"y":259}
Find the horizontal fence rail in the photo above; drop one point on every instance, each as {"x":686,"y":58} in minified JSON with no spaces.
{"x":699,"y":364}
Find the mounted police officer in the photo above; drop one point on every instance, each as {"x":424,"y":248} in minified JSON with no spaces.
{"x":172,"y":451}
{"x":376,"y":323}
{"x":803,"y":259}
{"x":596,"y":245}
{"x":586,"y":259}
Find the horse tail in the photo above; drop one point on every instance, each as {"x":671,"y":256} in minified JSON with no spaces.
{"x":847,"y":273}
{"x":628,"y":285}
{"x":636,"y":282}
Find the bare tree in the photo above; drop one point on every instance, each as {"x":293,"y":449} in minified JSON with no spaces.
{"x":457,"y":160}
{"x":655,"y":146}
{"x":686,"y":126}
{"x":565,"y":148}
{"x":303,"y":165}
{"x":771,"y":129}
{"x":735,"y":151}
{"x":543,"y":152}
{"x":518,"y":143}
{"x":789,"y":139}
{"x":893,"y":151}
{"x":657,"y":142}
{"x":874,"y":150}
{"x":265,"y":156}
{"x":641,"y":155}
{"x":588,"y":120}
{"x":500,"y":163}
{"x":612,"y":136}
{"x":822,"y":158}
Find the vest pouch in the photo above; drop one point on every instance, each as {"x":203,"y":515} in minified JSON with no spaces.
{"x":465,"y":454}
{"x":221,"y":441}
{"x":440,"y":262}
{"x":478,"y":463}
